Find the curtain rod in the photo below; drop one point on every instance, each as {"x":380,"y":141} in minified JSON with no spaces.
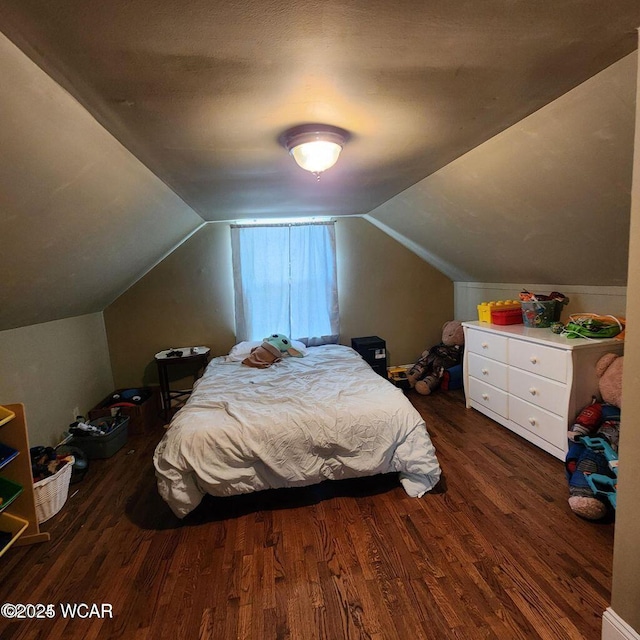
{"x":238,"y":225}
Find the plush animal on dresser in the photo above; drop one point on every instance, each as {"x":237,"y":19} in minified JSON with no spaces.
{"x":425,"y":376}
{"x":599,"y":421}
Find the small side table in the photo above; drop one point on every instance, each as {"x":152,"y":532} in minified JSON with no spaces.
{"x":195,"y":358}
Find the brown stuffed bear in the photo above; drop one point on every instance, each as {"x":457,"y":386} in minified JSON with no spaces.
{"x":425,"y":376}
{"x":609,"y":370}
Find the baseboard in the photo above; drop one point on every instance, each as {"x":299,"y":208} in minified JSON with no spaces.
{"x":615,"y":628}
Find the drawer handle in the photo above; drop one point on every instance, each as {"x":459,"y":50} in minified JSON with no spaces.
{"x":485,"y":396}
{"x":533,"y":360}
{"x":484,"y":345}
{"x":532,"y":422}
{"x":533,"y":391}
{"x":485,"y":372}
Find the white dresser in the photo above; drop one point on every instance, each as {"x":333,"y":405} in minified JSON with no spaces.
{"x":531,"y":381}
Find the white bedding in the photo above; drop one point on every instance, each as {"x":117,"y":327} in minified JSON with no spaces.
{"x":299,"y":422}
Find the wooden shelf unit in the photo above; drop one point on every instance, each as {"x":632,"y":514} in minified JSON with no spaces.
{"x":13,"y":433}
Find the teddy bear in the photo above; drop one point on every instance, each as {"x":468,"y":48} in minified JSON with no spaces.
{"x":425,"y":376}
{"x":597,"y":420}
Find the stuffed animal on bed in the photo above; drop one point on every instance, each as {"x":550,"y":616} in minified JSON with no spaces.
{"x":597,"y":421}
{"x":272,"y":350}
{"x":425,"y":376}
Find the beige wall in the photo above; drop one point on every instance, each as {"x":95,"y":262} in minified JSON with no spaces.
{"x":625,"y":596}
{"x":187,"y":299}
{"x":58,"y":370}
{"x":388,"y":291}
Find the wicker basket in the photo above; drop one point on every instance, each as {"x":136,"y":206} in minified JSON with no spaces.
{"x":51,"y":493}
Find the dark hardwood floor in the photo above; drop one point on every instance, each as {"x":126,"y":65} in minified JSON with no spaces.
{"x":494,"y":553}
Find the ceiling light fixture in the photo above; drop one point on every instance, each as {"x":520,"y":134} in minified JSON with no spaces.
{"x":315,"y":147}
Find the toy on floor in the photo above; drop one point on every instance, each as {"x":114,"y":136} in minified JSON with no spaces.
{"x":592,"y":459}
{"x":426,"y":375}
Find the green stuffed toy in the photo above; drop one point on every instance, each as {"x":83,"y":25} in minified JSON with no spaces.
{"x":282,"y":344}
{"x":272,"y":349}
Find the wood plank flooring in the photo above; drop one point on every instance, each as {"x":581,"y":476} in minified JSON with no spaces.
{"x":495,"y":552}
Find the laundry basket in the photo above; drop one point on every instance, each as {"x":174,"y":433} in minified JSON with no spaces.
{"x":51,"y":493}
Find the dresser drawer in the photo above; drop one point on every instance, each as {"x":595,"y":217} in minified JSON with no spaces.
{"x":545,"y":361}
{"x":548,"y":394}
{"x":490,"y":371}
{"x":489,"y":397}
{"x":548,"y":426}
{"x":486,"y":344}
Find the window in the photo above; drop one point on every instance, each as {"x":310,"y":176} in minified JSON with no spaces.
{"x":285,"y":281}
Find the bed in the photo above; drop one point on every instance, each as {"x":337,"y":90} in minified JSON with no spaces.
{"x":325,"y":416}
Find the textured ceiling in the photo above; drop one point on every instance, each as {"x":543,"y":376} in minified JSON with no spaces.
{"x":200,"y":91}
{"x":548,"y":200}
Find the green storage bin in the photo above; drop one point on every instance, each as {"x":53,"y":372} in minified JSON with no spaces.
{"x":9,"y":491}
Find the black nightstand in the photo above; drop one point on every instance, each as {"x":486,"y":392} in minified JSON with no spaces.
{"x":374,"y":351}
{"x":196,"y":358}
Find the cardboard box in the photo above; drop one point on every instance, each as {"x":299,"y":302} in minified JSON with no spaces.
{"x":143,"y":414}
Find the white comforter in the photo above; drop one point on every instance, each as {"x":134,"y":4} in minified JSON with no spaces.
{"x":299,"y":422}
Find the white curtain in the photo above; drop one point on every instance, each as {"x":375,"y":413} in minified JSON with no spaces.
{"x":285,"y":282}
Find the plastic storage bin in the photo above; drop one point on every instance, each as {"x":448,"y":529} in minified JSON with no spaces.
{"x":13,"y":527}
{"x":104,"y":446}
{"x":538,"y":315}
{"x":6,"y":415}
{"x":9,"y":491}
{"x":511,"y":316}
{"x":485,"y":309}
{"x":7,"y":454}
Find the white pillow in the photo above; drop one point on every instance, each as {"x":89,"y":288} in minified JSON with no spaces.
{"x":241,"y":350}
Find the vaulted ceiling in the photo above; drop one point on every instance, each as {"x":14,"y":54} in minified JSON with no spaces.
{"x":200,"y":91}
{"x":192,"y":97}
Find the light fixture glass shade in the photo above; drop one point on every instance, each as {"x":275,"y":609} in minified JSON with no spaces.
{"x":316,"y":156}
{"x":315,"y":147}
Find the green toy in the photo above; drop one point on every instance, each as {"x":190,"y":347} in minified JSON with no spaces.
{"x":282,"y":344}
{"x":592,"y":326}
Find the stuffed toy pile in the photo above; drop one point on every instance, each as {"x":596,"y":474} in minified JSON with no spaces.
{"x":425,"y":376}
{"x":601,"y":420}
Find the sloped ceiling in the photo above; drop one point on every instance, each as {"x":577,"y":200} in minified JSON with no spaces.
{"x":142,"y":119}
{"x":547,"y":200}
{"x":200,"y":91}
{"x":80,"y":217}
